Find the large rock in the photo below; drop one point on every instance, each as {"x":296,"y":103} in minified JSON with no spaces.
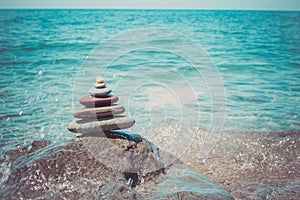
{"x":123,"y":167}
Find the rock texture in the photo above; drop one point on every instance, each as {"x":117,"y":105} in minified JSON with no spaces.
{"x":123,"y":166}
{"x":252,"y":165}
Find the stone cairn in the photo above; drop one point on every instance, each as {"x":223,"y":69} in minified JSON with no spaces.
{"x":101,"y":116}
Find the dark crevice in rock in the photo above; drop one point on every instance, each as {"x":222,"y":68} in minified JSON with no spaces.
{"x":131,"y":178}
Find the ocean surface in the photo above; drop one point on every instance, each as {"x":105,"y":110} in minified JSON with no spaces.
{"x":255,"y":56}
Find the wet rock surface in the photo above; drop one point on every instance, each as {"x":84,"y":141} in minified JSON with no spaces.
{"x":253,"y":165}
{"x":123,"y":167}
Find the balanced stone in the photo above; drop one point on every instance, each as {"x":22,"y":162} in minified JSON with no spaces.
{"x":104,"y":125}
{"x":100,"y":80}
{"x":90,"y":101}
{"x":99,"y":92}
{"x":97,"y":112}
{"x":99,"y":85}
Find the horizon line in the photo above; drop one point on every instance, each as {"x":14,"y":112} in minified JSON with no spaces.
{"x":195,"y":9}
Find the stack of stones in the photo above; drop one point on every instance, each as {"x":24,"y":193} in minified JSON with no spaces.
{"x":101,"y":115}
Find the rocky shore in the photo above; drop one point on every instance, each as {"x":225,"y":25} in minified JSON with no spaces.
{"x":103,"y":163}
{"x":253,"y":165}
{"x":248,"y":166}
{"x":76,"y":171}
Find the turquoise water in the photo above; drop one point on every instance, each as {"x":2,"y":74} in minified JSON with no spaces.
{"x":257,"y":54}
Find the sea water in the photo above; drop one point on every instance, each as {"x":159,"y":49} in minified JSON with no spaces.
{"x":256,"y":55}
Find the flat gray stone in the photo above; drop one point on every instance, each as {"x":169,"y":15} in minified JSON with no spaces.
{"x":101,"y":92}
{"x":87,"y":127}
{"x":94,"y":113}
{"x":99,"y":85}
